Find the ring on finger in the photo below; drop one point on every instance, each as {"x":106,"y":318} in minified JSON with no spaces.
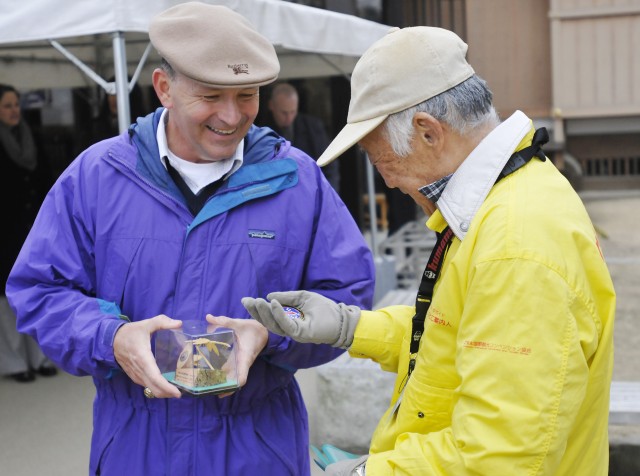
{"x":148,"y":393}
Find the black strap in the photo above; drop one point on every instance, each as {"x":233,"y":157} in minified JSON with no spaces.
{"x":523,"y":156}
{"x":194,"y":202}
{"x":425,"y":291}
{"x":444,"y":239}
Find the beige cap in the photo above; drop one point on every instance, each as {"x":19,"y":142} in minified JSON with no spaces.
{"x":214,"y":45}
{"x":404,"y":68}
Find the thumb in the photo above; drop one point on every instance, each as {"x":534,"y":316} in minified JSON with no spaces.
{"x":289,"y":298}
{"x":163,"y":322}
{"x":221,"y":321}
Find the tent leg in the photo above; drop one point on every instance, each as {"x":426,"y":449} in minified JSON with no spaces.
{"x":371,"y":190}
{"x":122,"y":80}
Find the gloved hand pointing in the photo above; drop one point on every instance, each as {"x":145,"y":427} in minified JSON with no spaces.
{"x":322,"y":321}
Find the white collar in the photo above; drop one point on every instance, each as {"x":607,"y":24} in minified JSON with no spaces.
{"x":197,"y":175}
{"x":470,"y":184}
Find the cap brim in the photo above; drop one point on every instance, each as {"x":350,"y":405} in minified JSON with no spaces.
{"x":348,"y":136}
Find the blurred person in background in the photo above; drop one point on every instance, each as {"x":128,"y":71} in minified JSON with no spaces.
{"x":105,"y":124}
{"x":304,"y":131}
{"x":24,"y":180}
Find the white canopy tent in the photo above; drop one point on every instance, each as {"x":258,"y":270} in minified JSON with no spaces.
{"x":66,"y":43}
{"x":69,"y":43}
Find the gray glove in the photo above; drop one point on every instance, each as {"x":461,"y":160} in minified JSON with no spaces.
{"x":321,"y":321}
{"x":347,"y":467}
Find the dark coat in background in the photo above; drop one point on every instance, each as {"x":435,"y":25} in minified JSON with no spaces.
{"x":21,"y":194}
{"x":310,"y":136}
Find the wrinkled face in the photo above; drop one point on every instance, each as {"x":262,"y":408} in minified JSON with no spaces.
{"x":408,"y":174}
{"x":205,"y":124}
{"x":10,"y":109}
{"x":284,"y":109}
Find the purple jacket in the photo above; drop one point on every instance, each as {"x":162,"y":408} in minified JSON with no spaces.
{"x":114,"y":237}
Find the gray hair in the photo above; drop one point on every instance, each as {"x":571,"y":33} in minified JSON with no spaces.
{"x":167,"y":68}
{"x":464,"y":108}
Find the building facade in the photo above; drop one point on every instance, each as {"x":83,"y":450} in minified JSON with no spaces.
{"x":572,"y":65}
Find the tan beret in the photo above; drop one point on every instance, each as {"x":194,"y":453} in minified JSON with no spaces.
{"x":214,"y":45}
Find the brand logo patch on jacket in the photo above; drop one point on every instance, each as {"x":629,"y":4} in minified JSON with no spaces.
{"x":263,"y":234}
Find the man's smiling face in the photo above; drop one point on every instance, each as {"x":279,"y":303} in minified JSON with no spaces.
{"x":206,"y":124}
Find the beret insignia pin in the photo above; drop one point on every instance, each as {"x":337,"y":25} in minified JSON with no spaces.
{"x":240,"y":68}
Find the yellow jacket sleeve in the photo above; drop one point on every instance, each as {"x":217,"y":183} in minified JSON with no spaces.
{"x":379,"y":335}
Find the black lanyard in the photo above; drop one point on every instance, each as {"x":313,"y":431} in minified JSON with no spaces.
{"x":444,"y":239}
{"x":425,"y":291}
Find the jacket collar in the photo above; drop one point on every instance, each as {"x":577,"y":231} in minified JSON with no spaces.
{"x":266,"y":170}
{"x":470,"y":184}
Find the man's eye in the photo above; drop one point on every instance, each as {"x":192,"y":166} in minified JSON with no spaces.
{"x":210,"y":98}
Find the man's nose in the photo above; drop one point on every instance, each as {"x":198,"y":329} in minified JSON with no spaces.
{"x":229,"y":112}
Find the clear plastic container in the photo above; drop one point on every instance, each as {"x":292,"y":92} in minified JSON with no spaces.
{"x":198,"y":358}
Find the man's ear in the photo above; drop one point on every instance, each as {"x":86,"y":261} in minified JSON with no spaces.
{"x":429,"y":130}
{"x":162,"y":87}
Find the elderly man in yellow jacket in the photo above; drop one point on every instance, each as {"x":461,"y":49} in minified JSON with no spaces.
{"x":504,"y":363}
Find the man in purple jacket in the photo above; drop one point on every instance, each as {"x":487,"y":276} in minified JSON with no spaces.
{"x":190,"y":210}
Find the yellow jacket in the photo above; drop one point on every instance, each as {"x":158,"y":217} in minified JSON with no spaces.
{"x":514,"y":367}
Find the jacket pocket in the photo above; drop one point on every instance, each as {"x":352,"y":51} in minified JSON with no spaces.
{"x":424,"y":408}
{"x":102,"y":448}
{"x":103,"y":455}
{"x":283,"y":437}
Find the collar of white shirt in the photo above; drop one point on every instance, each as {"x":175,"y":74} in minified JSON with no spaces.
{"x":197,"y":175}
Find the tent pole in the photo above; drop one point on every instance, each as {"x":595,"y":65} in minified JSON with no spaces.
{"x":122,"y":80}
{"x":372,"y":207}
{"x":143,"y":60}
{"x":80,"y":65}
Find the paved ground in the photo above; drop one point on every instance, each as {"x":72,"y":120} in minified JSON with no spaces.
{"x":616,"y":215}
{"x":45,"y":427}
